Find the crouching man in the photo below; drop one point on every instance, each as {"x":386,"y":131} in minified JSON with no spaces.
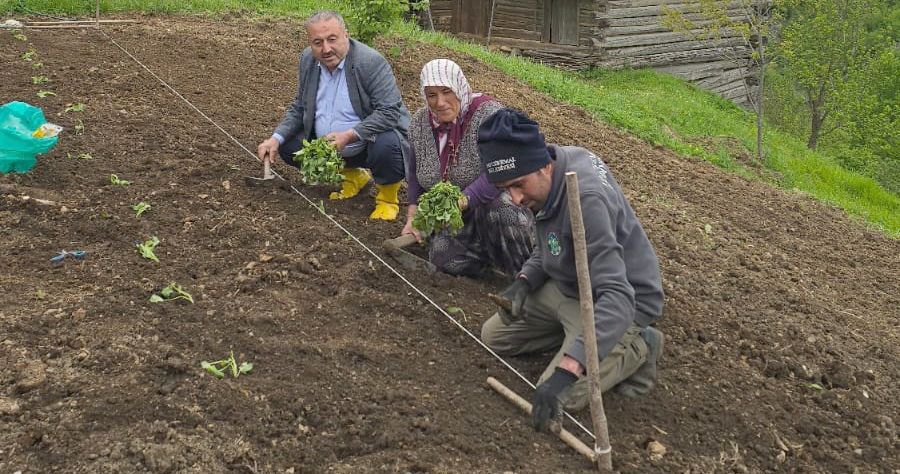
{"x":545,"y":313}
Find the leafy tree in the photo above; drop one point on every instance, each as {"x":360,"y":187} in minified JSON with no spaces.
{"x":753,"y":21}
{"x":824,"y":47}
{"x":369,"y":18}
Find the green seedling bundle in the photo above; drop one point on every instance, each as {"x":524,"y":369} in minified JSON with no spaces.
{"x":319,"y":162}
{"x":439,"y":209}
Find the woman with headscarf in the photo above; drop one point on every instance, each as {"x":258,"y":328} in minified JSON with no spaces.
{"x":443,"y":137}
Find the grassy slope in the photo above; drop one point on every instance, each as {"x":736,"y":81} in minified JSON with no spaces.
{"x":655,"y":107}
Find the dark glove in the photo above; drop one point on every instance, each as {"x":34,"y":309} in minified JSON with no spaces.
{"x":515,"y":294}
{"x":545,"y":406}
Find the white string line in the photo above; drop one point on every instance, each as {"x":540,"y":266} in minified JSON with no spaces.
{"x":346,"y":231}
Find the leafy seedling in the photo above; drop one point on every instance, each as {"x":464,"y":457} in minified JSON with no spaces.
{"x":171,"y":293}
{"x":29,"y":55}
{"x":147,"y":247}
{"x":37,"y":65}
{"x":113,"y":179}
{"x":19,"y":35}
{"x":140,"y":208}
{"x":76,"y":107}
{"x":37,"y":80}
{"x":79,"y":127}
{"x":80,"y":156}
{"x":439,"y":209}
{"x":319,"y":162}
{"x":816,"y":386}
{"x":457,"y":310}
{"x":43,"y":94}
{"x":221,"y":368}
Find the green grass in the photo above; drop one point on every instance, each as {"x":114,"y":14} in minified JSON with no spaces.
{"x":86,"y":7}
{"x":656,"y":107}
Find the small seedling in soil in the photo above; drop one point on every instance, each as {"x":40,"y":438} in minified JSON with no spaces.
{"x":29,"y":55}
{"x":221,"y":368}
{"x":321,"y":206}
{"x":146,"y":249}
{"x":76,"y":107}
{"x":319,"y":162}
{"x":37,"y":80}
{"x":113,"y":179}
{"x":816,"y":386}
{"x":457,"y":310}
{"x":43,"y":94}
{"x":40,"y":294}
{"x":234,"y":167}
{"x":37,"y":65}
{"x":80,"y":156}
{"x":171,"y":293}
{"x":79,"y":127}
{"x":19,"y":35}
{"x":439,"y":209}
{"x":140,"y":208}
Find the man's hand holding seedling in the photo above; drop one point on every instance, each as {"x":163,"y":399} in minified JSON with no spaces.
{"x":342,"y":139}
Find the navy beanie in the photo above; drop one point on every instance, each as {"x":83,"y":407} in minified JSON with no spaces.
{"x":511,"y":145}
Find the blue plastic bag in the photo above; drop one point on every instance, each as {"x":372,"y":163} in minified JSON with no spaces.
{"x":18,"y":146}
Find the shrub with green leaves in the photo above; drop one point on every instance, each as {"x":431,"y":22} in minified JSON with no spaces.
{"x":319,"y":162}
{"x":439,"y":209}
{"x":369,"y":18}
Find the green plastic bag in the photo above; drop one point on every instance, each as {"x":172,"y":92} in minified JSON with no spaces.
{"x":18,"y":146}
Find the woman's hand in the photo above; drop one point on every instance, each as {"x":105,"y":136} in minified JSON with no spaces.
{"x":408,"y":227}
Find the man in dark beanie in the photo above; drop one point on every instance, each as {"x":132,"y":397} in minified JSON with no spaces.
{"x":545,"y":313}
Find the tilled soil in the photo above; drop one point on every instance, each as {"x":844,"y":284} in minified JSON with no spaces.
{"x":781,"y":316}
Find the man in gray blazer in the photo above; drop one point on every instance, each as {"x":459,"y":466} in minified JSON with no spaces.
{"x":347,"y":93}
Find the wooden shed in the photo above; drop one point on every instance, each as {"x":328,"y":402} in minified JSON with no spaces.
{"x":578,"y":34}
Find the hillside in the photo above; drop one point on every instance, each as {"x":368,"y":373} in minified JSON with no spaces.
{"x":782,"y":313}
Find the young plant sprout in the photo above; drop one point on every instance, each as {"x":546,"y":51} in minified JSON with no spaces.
{"x":147,"y":247}
{"x":76,"y":107}
{"x":220,"y":368}
{"x":43,"y":94}
{"x":141,"y":208}
{"x":113,"y":179}
{"x":171,"y":293}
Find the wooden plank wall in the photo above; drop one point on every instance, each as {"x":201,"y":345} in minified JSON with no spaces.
{"x":616,"y":34}
{"x":632,"y":35}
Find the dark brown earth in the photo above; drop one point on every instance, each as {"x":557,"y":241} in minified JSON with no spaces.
{"x":781,"y":316}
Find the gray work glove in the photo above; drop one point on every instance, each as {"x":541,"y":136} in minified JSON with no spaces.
{"x":545,"y":405}
{"x":515,"y":294}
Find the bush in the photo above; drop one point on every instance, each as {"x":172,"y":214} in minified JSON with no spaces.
{"x":369,"y":18}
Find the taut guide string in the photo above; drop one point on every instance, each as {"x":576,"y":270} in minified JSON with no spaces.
{"x":341,"y":227}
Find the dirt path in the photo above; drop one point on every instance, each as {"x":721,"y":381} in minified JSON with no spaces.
{"x":771,"y":295}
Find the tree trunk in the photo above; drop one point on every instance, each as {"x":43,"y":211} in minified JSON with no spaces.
{"x":815,"y":127}
{"x":760,"y":96}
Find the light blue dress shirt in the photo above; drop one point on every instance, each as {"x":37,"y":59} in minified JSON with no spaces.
{"x":334,"y":111}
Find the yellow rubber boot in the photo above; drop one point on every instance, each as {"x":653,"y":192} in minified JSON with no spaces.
{"x":354,"y":180}
{"x":387,"y":204}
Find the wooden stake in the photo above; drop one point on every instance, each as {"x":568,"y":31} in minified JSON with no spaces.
{"x":598,"y":416}
{"x":520,"y":402}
